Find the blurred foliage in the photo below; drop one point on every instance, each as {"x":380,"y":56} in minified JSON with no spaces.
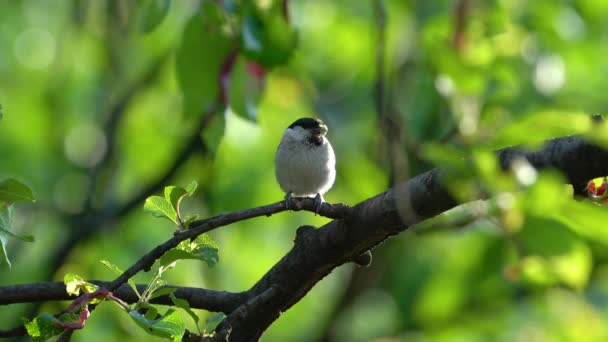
{"x":99,"y":97}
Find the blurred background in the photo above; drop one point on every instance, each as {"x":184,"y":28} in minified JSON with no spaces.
{"x":106,"y":102}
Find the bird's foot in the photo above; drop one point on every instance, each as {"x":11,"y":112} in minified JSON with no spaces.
{"x":287,"y":199}
{"x":318,"y":202}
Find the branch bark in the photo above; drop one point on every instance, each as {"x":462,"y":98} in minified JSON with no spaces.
{"x":210,"y":300}
{"x":317,"y":252}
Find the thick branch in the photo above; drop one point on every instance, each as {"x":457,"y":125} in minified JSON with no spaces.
{"x":318,"y":251}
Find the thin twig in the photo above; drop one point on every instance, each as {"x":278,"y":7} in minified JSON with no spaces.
{"x":217,"y":301}
{"x":199,"y":227}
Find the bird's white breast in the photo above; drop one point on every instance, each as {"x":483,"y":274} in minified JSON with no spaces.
{"x":303,"y":168}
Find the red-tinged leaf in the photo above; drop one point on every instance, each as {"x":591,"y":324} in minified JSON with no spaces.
{"x":255,"y":69}
{"x":225,"y":74}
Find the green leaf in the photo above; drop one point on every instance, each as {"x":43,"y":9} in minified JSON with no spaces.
{"x":526,"y":131}
{"x":555,"y":255}
{"x":214,"y":132}
{"x":183,"y":304}
{"x":43,"y":327}
{"x":165,"y":291}
{"x":160,"y":207}
{"x":170,"y":325}
{"x":266,"y":36}
{"x":212,"y":321}
{"x":191,"y":188}
{"x":204,"y":47}
{"x":74,"y":283}
{"x":11,"y":190}
{"x":118,"y":271}
{"x":6,"y":222}
{"x":154,"y":12}
{"x":246,"y":89}
{"x":203,"y":248}
{"x":173,"y":193}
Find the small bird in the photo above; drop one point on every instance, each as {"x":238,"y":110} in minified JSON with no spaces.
{"x":305,"y":164}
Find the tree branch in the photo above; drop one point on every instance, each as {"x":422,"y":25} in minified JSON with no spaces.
{"x":210,"y":300}
{"x":317,"y":252}
{"x":199,"y":227}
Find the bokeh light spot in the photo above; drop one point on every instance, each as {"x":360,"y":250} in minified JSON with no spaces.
{"x":35,"y":48}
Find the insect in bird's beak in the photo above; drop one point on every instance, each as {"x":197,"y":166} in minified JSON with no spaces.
{"x":321,"y":130}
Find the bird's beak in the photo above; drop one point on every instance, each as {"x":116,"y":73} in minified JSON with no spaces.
{"x":321,"y":130}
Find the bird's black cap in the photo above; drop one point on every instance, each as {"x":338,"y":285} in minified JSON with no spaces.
{"x":307,"y":123}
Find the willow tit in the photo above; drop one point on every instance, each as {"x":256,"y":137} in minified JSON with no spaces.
{"x":305,"y":164}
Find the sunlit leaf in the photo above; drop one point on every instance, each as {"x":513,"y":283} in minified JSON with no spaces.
{"x":170,"y":325}
{"x":203,"y":248}
{"x":202,"y":52}
{"x":173,"y":194}
{"x":75,"y":283}
{"x":43,"y":327}
{"x":154,"y":12}
{"x":555,"y":255}
{"x":526,"y":131}
{"x":11,"y":190}
{"x":160,"y":207}
{"x":584,"y":218}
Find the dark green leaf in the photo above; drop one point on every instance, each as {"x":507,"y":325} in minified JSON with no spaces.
{"x":163,"y":292}
{"x":170,"y":325}
{"x":151,"y":311}
{"x":212,"y":321}
{"x":183,"y":304}
{"x":203,"y":50}
{"x":154,"y":12}
{"x":266,"y":37}
{"x":214,"y":132}
{"x":11,"y":190}
{"x":189,"y":220}
{"x":160,"y":207}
